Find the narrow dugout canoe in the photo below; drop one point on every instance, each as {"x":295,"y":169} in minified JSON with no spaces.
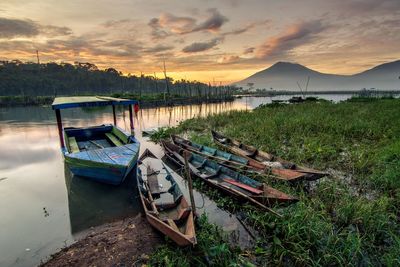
{"x":238,"y":163}
{"x":226,"y":180}
{"x":167,"y":211}
{"x":267,"y":159}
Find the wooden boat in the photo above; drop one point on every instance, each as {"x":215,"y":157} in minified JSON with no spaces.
{"x":238,"y":163}
{"x":296,"y":99}
{"x":173,"y":217}
{"x":102,"y":153}
{"x":226,"y":179}
{"x":252,"y":153}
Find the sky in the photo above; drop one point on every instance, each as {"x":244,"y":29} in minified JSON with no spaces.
{"x":210,"y":41}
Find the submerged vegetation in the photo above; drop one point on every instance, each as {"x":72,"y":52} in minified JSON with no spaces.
{"x":349,"y":218}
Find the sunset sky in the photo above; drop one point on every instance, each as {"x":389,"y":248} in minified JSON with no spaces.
{"x":224,"y":40}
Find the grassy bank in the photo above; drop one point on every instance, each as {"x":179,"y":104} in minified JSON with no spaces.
{"x":350,"y":218}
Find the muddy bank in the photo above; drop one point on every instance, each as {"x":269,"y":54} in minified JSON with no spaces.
{"x":123,"y":243}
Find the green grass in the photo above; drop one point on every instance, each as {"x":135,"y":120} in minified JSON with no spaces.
{"x":211,"y":249}
{"x":353,"y":221}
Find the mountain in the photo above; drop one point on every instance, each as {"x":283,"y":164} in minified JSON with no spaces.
{"x":285,"y":76}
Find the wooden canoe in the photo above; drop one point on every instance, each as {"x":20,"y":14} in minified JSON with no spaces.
{"x":238,"y":163}
{"x":167,"y":211}
{"x":267,"y":159}
{"x":227,"y":180}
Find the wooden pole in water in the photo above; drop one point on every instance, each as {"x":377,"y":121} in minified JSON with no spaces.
{"x":114,"y":116}
{"x":131,"y":119}
{"x":189,"y":177}
{"x":60,"y":128}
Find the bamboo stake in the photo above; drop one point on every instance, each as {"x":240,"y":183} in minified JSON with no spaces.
{"x":186,"y":156}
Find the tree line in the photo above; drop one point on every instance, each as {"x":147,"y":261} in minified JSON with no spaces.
{"x":82,"y":78}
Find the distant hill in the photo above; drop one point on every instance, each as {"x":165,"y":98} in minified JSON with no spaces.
{"x":285,"y":75}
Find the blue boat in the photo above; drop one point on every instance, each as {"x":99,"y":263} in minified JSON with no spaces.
{"x":103,"y":153}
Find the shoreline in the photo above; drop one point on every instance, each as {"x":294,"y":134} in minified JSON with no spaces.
{"x":44,"y":101}
{"x":122,"y":243}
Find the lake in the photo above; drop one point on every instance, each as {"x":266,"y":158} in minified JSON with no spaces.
{"x":43,"y":208}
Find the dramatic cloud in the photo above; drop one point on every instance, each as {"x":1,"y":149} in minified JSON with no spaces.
{"x":168,"y":23}
{"x":12,"y":28}
{"x":248,"y":50}
{"x":233,"y":38}
{"x":157,"y":32}
{"x":159,"y":48}
{"x":368,"y":6}
{"x":213,"y":23}
{"x":295,"y":35}
{"x":247,"y":27}
{"x":201,"y":46}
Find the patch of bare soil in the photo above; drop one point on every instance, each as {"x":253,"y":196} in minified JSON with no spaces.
{"x":123,"y":243}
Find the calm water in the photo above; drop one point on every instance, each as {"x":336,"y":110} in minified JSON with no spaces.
{"x":43,"y":208}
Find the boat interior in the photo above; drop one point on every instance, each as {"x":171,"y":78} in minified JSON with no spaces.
{"x":92,"y":138}
{"x":170,"y":204}
{"x":229,"y":178}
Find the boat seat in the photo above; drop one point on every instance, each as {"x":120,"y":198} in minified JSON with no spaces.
{"x":114,"y":139}
{"x":198,"y":164}
{"x":73,"y":145}
{"x":212,"y":173}
{"x":152,"y":181}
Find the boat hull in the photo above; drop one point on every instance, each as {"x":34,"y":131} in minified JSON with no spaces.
{"x":110,"y":165}
{"x":252,"y":153}
{"x":103,"y":173}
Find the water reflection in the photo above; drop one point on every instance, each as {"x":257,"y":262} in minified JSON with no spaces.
{"x":91,"y":203}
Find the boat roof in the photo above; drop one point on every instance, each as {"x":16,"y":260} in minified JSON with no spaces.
{"x":89,"y":101}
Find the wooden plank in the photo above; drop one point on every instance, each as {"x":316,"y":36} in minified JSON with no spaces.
{"x":114,"y":139}
{"x":73,"y":145}
{"x":244,"y":186}
{"x":287,"y":174}
{"x":120,"y":135}
{"x":152,"y":181}
{"x":98,"y":155}
{"x":173,"y":225}
{"x":103,"y":156}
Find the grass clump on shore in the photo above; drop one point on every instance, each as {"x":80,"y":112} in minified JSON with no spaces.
{"x":350,"y":218}
{"x":212,"y":249}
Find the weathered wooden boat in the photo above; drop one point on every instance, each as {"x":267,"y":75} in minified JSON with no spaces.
{"x":238,"y":163}
{"x":103,"y":153}
{"x":225,"y":179}
{"x":167,"y":211}
{"x":296,"y":99}
{"x":250,"y":152}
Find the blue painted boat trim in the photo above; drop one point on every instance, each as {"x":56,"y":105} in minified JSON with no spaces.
{"x":96,"y":102}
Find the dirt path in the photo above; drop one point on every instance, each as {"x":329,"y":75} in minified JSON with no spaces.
{"x":124,"y":243}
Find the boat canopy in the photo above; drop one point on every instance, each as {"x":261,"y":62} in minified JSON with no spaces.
{"x":89,"y":101}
